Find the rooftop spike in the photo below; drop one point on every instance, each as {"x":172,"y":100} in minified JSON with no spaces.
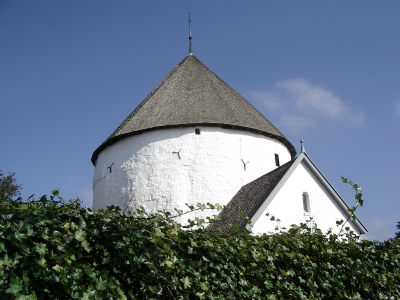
{"x":190,"y":36}
{"x":303,"y":150}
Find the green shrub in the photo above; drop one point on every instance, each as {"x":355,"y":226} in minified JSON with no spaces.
{"x":55,"y":249}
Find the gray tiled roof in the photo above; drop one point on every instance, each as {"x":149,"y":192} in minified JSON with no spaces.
{"x":247,"y":201}
{"x":192,"y":95}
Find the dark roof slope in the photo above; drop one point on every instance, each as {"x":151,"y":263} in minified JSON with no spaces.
{"x":247,"y":201}
{"x":192,"y":95}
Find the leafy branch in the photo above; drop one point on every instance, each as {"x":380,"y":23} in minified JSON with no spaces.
{"x":359,"y":202}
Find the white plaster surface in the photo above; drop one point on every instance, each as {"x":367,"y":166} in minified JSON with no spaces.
{"x":147,"y":173}
{"x":287,"y":205}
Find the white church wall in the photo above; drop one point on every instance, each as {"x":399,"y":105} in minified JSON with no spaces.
{"x":288,"y":204}
{"x":146,"y":169}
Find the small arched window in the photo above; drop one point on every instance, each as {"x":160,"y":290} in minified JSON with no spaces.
{"x":277,"y":160}
{"x":306,"y":204}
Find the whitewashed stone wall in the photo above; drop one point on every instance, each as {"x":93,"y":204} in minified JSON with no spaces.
{"x":288,"y":204}
{"x":146,"y":171}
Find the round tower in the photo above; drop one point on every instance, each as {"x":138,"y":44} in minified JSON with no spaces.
{"x":192,"y":140}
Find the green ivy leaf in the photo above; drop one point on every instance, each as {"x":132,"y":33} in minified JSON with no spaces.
{"x":169,"y":264}
{"x":201,"y":295}
{"x":204,"y":286}
{"x":42,"y":262}
{"x":2,"y":248}
{"x":57,"y":268}
{"x":85,"y":296}
{"x":80,"y":235}
{"x":158,"y":232}
{"x":86,"y":246}
{"x":41,"y":249}
{"x":15,"y":286}
{"x":101,"y":284}
{"x":186,"y":282}
{"x":121,"y":294}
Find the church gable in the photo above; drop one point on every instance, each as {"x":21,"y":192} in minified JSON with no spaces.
{"x":302,"y":196}
{"x":292,"y":193}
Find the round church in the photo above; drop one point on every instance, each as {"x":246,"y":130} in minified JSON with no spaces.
{"x":192,"y":140}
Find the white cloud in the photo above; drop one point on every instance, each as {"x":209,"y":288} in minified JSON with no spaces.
{"x":307,"y":96}
{"x":270,"y":99}
{"x":302,"y":102}
{"x":295,"y":123}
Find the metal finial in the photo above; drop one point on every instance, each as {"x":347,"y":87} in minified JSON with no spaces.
{"x":303,"y":150}
{"x":190,"y":36}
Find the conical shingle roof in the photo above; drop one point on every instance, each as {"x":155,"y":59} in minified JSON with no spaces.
{"x":192,"y":95}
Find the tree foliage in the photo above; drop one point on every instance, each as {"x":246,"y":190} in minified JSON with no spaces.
{"x":398,"y":233}
{"x":56,"y":249}
{"x":8,"y":186}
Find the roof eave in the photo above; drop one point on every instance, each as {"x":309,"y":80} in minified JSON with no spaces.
{"x":117,"y":138}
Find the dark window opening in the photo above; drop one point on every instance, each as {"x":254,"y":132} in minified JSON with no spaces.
{"x":197,"y":130}
{"x":277,"y":160}
{"x":306,"y":203}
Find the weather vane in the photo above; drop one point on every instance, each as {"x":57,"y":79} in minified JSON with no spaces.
{"x":190,"y":36}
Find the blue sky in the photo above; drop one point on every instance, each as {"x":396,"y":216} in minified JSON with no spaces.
{"x":327,"y":72}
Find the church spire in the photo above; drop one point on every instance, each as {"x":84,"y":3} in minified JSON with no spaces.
{"x":190,"y":36}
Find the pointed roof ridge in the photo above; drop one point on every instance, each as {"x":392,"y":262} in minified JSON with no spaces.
{"x":192,"y":95}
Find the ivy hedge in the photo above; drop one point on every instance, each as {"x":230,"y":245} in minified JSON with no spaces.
{"x":56,"y":249}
